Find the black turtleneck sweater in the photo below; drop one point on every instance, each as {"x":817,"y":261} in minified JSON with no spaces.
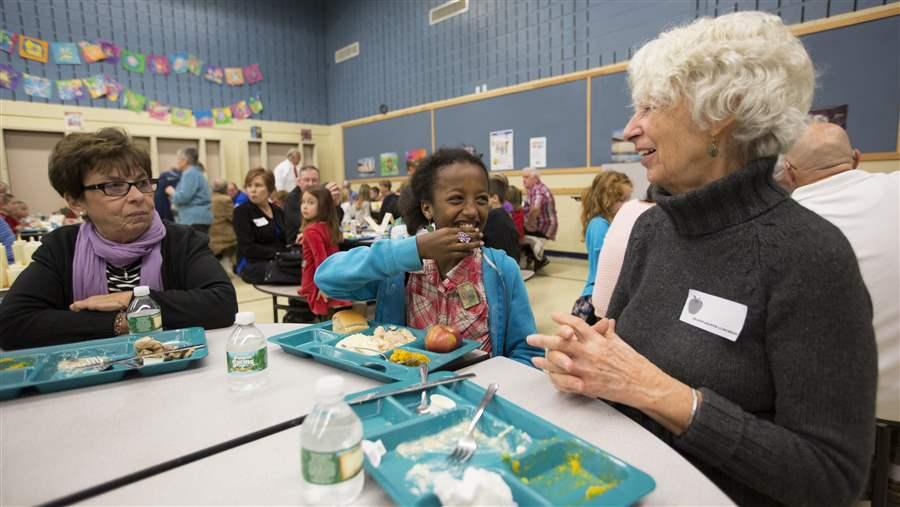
{"x":788,"y":407}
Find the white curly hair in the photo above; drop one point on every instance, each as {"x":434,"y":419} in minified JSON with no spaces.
{"x":744,"y":65}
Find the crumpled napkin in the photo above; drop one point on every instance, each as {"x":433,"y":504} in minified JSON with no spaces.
{"x":477,"y":487}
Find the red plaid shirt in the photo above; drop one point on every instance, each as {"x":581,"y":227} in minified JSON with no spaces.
{"x":430,"y":300}
{"x":539,"y":196}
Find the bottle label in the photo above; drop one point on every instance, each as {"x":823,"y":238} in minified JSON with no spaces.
{"x":247,"y":362}
{"x":325,"y":468}
{"x":144,"y":323}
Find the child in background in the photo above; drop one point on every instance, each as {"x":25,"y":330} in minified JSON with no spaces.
{"x":321,"y":237}
{"x":514,"y":196}
{"x":599,"y":204}
{"x":441,"y":274}
{"x":500,"y":231}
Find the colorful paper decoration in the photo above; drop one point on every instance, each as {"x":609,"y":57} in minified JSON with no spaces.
{"x":65,"y":53}
{"x":252,"y":74}
{"x":240,"y":110}
{"x":234,"y":76}
{"x":134,"y":101}
{"x":36,"y":86}
{"x":96,"y":86}
{"x":203,"y":117}
{"x":8,"y":41}
{"x":9,"y":77}
{"x":183,"y":117}
{"x":179,"y":62}
{"x":69,"y":89}
{"x":34,"y":49}
{"x":113,"y":88}
{"x":110,"y":49}
{"x":158,"y":110}
{"x":256,"y":105}
{"x":91,"y":52}
{"x":159,"y":64}
{"x":133,"y":62}
{"x":195,"y":65}
{"x":222,"y":116}
{"x":214,"y":73}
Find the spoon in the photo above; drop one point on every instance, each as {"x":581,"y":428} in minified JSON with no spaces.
{"x":423,"y":405}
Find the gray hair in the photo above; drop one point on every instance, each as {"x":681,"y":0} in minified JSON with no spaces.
{"x":219,"y":186}
{"x":293,"y":151}
{"x":189,"y":155}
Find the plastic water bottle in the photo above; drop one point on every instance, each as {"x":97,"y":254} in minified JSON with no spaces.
{"x":144,"y":315}
{"x":247,"y":354}
{"x":331,"y":456}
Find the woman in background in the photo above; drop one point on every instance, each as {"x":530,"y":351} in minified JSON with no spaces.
{"x":259,"y":226}
{"x":191,"y":196}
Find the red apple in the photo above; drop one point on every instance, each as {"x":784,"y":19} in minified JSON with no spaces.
{"x":442,"y":338}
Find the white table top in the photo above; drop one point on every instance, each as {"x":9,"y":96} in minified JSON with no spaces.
{"x":56,"y":444}
{"x":267,"y":471}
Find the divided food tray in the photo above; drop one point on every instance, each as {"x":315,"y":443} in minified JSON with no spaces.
{"x":37,"y":367}
{"x":541,"y":463}
{"x":319,"y":341}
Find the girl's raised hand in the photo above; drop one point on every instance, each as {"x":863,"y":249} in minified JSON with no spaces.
{"x":445,"y":247}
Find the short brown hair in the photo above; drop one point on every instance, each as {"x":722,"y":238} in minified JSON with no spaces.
{"x":385,"y":183}
{"x":267,"y":176}
{"x":106,"y":151}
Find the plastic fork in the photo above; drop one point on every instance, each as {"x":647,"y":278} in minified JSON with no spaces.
{"x":466,"y":446}
{"x":423,"y":404}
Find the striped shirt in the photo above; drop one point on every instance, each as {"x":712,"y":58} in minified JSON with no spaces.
{"x":125,"y":278}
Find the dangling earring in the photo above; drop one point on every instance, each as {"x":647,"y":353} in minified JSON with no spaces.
{"x":430,"y":227}
{"x":713,"y":148}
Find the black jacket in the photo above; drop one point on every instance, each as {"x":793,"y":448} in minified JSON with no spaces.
{"x":257,"y":243}
{"x":500,"y":233}
{"x":35,"y":312}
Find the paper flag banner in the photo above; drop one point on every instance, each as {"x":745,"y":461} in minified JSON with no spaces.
{"x":65,"y":53}
{"x":133,"y":62}
{"x":8,"y":41}
{"x":69,"y":89}
{"x":179,"y":62}
{"x":37,"y":86}
{"x":234,"y":76}
{"x":110,"y":49}
{"x":96,"y":86}
{"x":33,"y":49}
{"x":159,"y":64}
{"x":113,"y":88}
{"x":252,"y":74}
{"x":240,"y":110}
{"x":9,"y":77}
{"x":182,"y":117}
{"x":91,"y":52}
{"x":256,"y":105}
{"x":214,"y":74}
{"x":203,"y":117}
{"x":134,"y":101}
{"x":222,"y":116}
{"x":195,"y":65}
{"x":158,"y":111}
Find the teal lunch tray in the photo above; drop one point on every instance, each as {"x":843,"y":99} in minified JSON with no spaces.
{"x":37,"y":367}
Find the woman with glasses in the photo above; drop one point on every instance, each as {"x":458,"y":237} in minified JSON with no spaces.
{"x":81,"y":280}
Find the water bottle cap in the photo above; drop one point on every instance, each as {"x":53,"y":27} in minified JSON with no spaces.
{"x":244,"y":318}
{"x":331,"y":386}
{"x":142,"y":290}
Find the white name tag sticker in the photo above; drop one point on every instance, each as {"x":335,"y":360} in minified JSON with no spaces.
{"x":717,"y":315}
{"x":261,"y":222}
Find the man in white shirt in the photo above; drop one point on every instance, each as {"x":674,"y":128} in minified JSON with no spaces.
{"x":287,"y":171}
{"x":820,"y":170}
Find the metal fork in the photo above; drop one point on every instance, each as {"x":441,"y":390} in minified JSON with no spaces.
{"x":466,"y":446}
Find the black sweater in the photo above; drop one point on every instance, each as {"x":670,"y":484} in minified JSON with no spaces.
{"x":35,"y":312}
{"x":500,"y":233}
{"x":788,"y":407}
{"x":258,"y":243}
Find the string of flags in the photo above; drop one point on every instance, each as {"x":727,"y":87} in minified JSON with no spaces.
{"x":102,"y":85}
{"x":71,"y":53}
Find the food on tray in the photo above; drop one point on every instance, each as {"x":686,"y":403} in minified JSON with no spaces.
{"x":408,"y":358}
{"x":477,"y":487}
{"x":570,"y":472}
{"x":348,"y":321}
{"x":381,"y":340}
{"x":442,"y":338}
{"x":150,"y":348}
{"x":440,"y":403}
{"x":508,"y":441}
{"x":69,"y":365}
{"x":16,"y":363}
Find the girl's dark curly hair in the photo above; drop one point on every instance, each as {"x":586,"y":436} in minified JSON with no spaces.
{"x":421,"y":185}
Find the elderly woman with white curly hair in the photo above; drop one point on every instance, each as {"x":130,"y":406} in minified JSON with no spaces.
{"x":740,"y":330}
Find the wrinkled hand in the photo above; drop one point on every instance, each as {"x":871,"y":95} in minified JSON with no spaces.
{"x":335,"y":191}
{"x":115,"y":302}
{"x":444,"y":247}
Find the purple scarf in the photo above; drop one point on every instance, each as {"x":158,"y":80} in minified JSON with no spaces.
{"x":93,"y":251}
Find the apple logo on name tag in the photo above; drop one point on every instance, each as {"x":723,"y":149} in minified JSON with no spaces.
{"x":716,"y":315}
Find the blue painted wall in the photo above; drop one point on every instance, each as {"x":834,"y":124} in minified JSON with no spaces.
{"x":284,"y":37}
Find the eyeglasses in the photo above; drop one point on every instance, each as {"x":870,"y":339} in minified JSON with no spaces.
{"x":121,"y":188}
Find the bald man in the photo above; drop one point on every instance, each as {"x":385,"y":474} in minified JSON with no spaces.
{"x":820,"y":170}
{"x":288,"y":170}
